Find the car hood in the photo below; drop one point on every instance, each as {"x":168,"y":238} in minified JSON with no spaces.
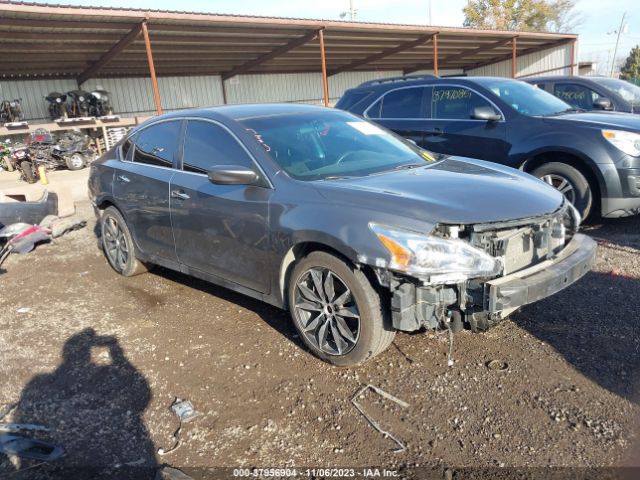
{"x":624,"y":121}
{"x":453,"y":191}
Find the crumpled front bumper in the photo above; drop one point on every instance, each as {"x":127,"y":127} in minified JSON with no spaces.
{"x":542,"y":280}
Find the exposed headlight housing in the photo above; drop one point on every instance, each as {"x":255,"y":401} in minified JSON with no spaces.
{"x":627,"y":142}
{"x":437,"y":258}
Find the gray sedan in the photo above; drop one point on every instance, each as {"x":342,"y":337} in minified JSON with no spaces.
{"x":357,"y":232}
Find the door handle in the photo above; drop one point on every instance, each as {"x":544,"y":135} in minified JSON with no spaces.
{"x":179,"y":194}
{"x":435,"y":131}
{"x":124,"y":179}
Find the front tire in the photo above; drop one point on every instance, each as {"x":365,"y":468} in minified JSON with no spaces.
{"x":117,"y":244}
{"x":570,"y":182}
{"x":336,"y":311}
{"x":75,"y":161}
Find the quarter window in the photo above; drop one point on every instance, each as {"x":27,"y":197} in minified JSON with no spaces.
{"x":455,"y":103}
{"x":578,"y":96}
{"x":401,"y":103}
{"x":157,"y":144}
{"x":208,"y":145}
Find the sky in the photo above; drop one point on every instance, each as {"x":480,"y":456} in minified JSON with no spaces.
{"x":600,"y":18}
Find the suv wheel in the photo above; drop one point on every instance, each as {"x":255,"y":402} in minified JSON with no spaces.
{"x":570,"y":182}
{"x":117,"y":244}
{"x":336,"y":311}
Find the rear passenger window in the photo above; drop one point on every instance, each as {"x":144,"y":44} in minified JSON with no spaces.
{"x":157,"y":144}
{"x":207,"y":145}
{"x":455,"y":103}
{"x":401,"y":103}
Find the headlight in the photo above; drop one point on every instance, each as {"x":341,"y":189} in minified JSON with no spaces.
{"x":81,"y":98}
{"x":627,"y":142}
{"x":58,"y":100}
{"x":426,"y":255}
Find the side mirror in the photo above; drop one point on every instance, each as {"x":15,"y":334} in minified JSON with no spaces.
{"x":232,"y":175}
{"x":486,"y":113}
{"x":603,"y":103}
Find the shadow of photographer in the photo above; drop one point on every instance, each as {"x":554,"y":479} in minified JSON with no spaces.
{"x":92,"y":406}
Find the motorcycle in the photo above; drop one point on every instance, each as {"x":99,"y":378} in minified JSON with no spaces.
{"x":56,"y":105}
{"x":99,"y":103}
{"x":79,"y":103}
{"x":10,"y":111}
{"x":5,"y":157}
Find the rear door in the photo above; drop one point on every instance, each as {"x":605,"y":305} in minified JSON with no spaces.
{"x":222,"y":230}
{"x":453,"y":131}
{"x":141,"y":187}
{"x":403,"y":111}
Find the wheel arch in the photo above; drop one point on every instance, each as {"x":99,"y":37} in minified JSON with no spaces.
{"x":302,"y":249}
{"x":577,"y":160}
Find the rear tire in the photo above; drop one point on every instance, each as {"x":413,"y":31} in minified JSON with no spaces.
{"x":27,"y":171}
{"x":351,"y":293}
{"x":117,"y":244}
{"x":570,"y":182}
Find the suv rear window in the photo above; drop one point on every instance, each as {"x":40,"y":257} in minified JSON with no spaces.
{"x":350,"y":99}
{"x":400,"y":103}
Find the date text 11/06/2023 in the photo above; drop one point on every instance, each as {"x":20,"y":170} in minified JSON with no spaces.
{"x":315,"y":472}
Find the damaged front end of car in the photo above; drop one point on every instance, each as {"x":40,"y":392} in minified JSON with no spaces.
{"x":475,"y":275}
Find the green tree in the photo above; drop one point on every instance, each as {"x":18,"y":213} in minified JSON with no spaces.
{"x":522,"y":15}
{"x":631,"y":68}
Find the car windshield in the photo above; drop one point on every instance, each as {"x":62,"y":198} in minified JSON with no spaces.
{"x":628,"y":91}
{"x":332,"y":145}
{"x":526,"y":99}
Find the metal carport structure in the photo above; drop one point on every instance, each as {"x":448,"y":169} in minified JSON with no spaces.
{"x":52,"y":41}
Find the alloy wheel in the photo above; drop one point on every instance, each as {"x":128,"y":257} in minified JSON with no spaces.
{"x":326,"y":311}
{"x":561,"y":184}
{"x":76,"y":161}
{"x":115,"y":243}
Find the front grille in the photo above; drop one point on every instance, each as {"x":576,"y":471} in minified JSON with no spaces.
{"x":525,"y":245}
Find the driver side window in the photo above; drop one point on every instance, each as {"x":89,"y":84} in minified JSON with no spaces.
{"x":577,"y":96}
{"x":455,"y":103}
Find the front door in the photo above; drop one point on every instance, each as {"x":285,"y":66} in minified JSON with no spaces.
{"x":222,"y":230}
{"x":452,"y":130}
{"x":141,"y":188}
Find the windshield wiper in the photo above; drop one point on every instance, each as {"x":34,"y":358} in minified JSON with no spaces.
{"x":408,"y":166}
{"x":336,"y":177}
{"x":568,"y":110}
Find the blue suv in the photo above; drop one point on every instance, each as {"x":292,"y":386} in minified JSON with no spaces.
{"x":593,"y":158}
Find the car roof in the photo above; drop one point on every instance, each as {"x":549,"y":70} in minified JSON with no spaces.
{"x":395,"y":82}
{"x":554,"y":78}
{"x":237,"y":112}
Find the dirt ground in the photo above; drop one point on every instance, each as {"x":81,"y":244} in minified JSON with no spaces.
{"x":99,"y":359}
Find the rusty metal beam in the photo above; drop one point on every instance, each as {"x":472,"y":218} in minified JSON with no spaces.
{"x":296,"y":42}
{"x":385,"y":53}
{"x":514,"y":57}
{"x":152,"y":68}
{"x":325,"y":82}
{"x":458,"y":56}
{"x":113,"y":51}
{"x":436,"y":60}
{"x":501,"y":58}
